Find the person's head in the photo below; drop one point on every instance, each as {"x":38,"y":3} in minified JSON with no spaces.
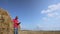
{"x":16,"y":17}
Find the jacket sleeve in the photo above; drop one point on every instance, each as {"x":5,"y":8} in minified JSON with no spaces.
{"x":18,"y":23}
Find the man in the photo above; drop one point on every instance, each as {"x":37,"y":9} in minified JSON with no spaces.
{"x":16,"y":24}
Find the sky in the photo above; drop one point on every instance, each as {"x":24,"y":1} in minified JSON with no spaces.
{"x":34,"y":14}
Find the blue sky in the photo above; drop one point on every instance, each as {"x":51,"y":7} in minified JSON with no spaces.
{"x":34,"y":14}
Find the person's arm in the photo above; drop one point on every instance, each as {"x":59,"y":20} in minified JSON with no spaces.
{"x":19,"y":23}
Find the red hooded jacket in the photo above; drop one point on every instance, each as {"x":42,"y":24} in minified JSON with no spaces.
{"x":15,"y":21}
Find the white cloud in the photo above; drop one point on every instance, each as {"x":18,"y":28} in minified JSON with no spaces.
{"x":55,"y":14}
{"x":45,"y":19}
{"x":51,"y":8}
{"x":51,"y":17}
{"x":51,"y":11}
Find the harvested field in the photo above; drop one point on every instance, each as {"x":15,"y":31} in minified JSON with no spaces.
{"x":39,"y":32}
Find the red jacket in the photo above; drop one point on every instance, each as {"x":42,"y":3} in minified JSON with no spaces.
{"x":15,"y":21}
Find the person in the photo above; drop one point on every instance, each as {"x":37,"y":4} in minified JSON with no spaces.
{"x":16,"y":24}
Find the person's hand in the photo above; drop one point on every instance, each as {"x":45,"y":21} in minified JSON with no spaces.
{"x":19,"y":22}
